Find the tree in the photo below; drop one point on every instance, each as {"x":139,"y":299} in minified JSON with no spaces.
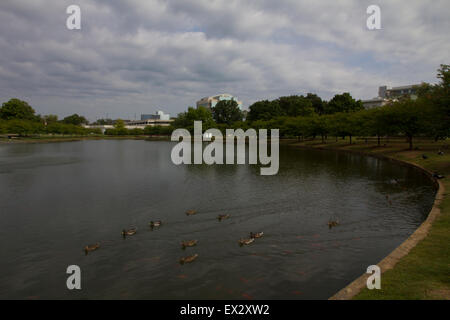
{"x":264,"y":110}
{"x":343,"y":103}
{"x":51,"y":118}
{"x":227,"y":112}
{"x":374,"y":123}
{"x":408,"y":117}
{"x":294,"y":106}
{"x":17,"y":109}
{"x":317,"y":103}
{"x":436,"y":98}
{"x":103,"y":122}
{"x":186,"y":119}
{"x":74,"y":119}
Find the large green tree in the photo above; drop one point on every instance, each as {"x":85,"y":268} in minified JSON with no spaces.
{"x":317,"y":103}
{"x":437,"y":99}
{"x":186,"y":119}
{"x":74,"y":119}
{"x":17,"y":109}
{"x":264,"y":110}
{"x":227,"y":112}
{"x":294,"y":106}
{"x":408,"y":117}
{"x":343,"y":103}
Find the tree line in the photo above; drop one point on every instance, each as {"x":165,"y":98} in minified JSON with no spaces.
{"x":297,"y":116}
{"x":310,"y":117}
{"x":18,"y":117}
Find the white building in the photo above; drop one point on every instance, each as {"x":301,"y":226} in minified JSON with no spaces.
{"x":159,"y":115}
{"x":210,"y":102}
{"x":387,"y":95}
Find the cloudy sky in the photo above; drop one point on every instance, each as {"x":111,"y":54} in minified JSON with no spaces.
{"x":132,"y":57}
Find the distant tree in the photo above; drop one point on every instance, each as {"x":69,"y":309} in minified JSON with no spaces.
{"x":119,"y":124}
{"x":186,"y":119}
{"x":75,"y":119}
{"x":317,"y":103}
{"x":17,"y":109}
{"x":227,"y":112}
{"x":436,"y":98}
{"x":343,"y":124}
{"x":407,"y":117}
{"x":294,"y":106}
{"x":318,"y":125}
{"x":343,"y":103}
{"x":264,"y":110}
{"x":50,"y":118}
{"x":103,"y":122}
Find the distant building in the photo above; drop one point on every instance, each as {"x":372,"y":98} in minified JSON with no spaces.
{"x":397,"y":92}
{"x":210,"y":102}
{"x":159,"y":115}
{"x":148,"y":122}
{"x":375,"y":102}
{"x":386,"y":95}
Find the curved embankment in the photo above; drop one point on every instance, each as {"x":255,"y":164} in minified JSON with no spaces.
{"x":404,"y":248}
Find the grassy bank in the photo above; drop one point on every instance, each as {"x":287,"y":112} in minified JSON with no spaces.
{"x":424,"y":273}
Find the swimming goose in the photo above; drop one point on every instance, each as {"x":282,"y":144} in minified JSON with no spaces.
{"x":256,"y":235}
{"x":129,"y":232}
{"x":223,"y":217}
{"x":91,"y":247}
{"x":190,"y":243}
{"x":333,"y":223}
{"x":191,"y":212}
{"x":155,"y":223}
{"x":246,"y":242}
{"x":188,"y":259}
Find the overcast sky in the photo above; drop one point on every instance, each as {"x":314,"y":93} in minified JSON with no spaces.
{"x":132,"y":57}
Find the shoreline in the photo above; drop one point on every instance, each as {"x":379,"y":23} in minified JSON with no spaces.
{"x":357,"y":286}
{"x":47,"y":139}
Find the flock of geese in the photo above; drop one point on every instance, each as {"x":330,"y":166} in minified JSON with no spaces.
{"x":242,"y":242}
{"x":184,"y":244}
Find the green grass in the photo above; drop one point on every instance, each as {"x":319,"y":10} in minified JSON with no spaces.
{"x":424,"y":273}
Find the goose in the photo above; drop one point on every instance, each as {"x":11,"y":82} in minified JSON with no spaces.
{"x":256,"y":235}
{"x":438,"y":176}
{"x":155,"y":223}
{"x":91,"y":247}
{"x":223,"y":217}
{"x":333,"y":223}
{"x":246,"y":242}
{"x":191,"y":212}
{"x":129,"y":232}
{"x":188,"y":259}
{"x":191,"y":243}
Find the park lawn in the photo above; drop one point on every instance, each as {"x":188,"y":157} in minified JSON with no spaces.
{"x":424,"y":273}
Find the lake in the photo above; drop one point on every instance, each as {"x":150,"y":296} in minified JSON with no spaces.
{"x":56,"y":198}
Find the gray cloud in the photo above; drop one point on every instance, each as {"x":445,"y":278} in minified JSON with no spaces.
{"x":138,"y":56}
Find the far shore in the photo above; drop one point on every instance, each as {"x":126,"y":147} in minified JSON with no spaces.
{"x":71,"y":138}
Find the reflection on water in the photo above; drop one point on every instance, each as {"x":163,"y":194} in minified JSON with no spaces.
{"x":57,"y":198}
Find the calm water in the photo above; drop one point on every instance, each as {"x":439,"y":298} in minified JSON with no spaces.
{"x":56,"y":198}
